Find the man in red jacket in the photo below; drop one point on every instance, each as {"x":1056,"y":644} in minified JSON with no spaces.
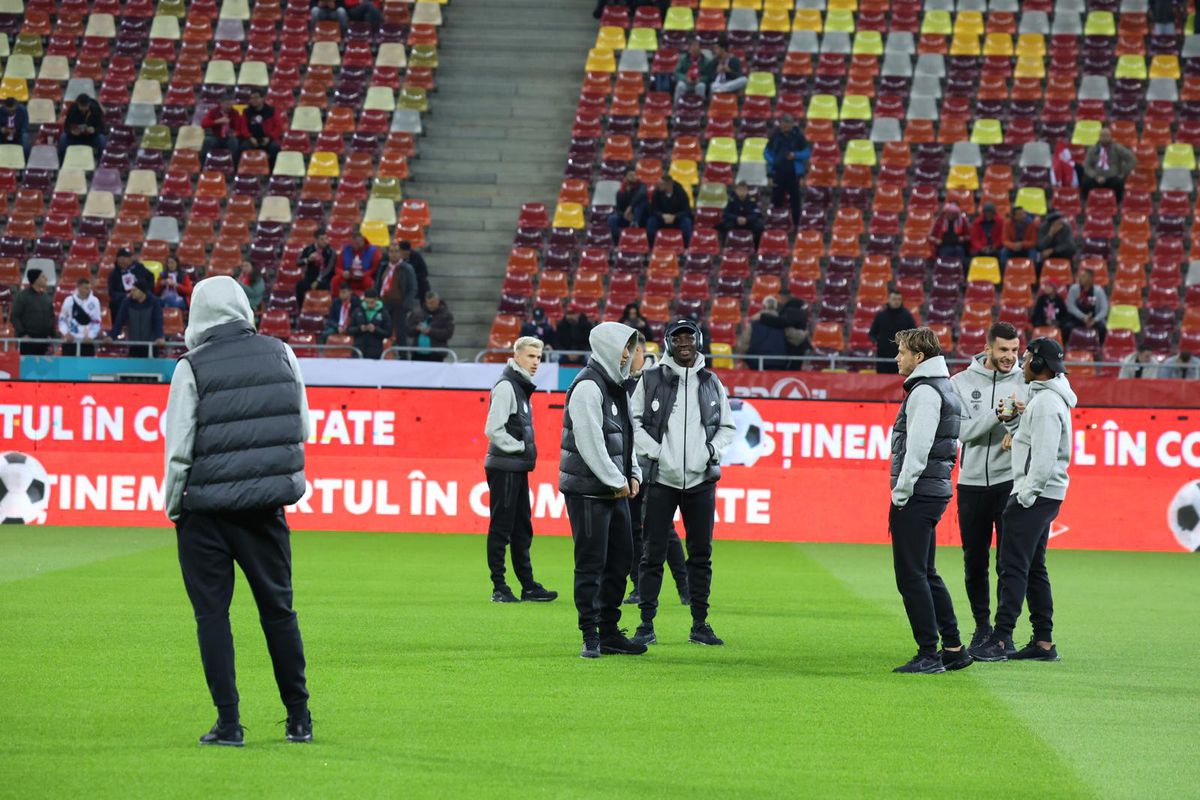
{"x":987,"y":233}
{"x":224,"y":126}
{"x":357,"y":264}
{"x":264,"y":127}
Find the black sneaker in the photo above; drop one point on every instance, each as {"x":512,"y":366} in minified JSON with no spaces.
{"x":702,"y":633}
{"x":299,"y":729}
{"x":956,"y":659}
{"x":230,"y":735}
{"x":645,"y":634}
{"x":922,"y":665}
{"x":616,"y":644}
{"x":633,"y":599}
{"x":504,"y":594}
{"x":591,"y":645}
{"x":536,"y":593}
{"x":982,"y":632}
{"x":1032,"y":652}
{"x":994,"y":649}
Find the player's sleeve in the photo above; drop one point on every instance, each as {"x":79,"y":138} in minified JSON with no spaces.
{"x":727,"y":430}
{"x":502,"y":406}
{"x":587,"y":412}
{"x":179,"y":436}
{"x":305,"y":418}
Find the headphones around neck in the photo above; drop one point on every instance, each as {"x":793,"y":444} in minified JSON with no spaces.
{"x":678,"y":326}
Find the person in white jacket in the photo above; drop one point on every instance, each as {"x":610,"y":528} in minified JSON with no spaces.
{"x":682,"y":424}
{"x":79,"y":320}
{"x":1041,"y":455}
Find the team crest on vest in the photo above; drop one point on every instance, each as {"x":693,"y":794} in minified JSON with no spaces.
{"x":526,"y":407}
{"x":976,"y":394}
{"x":614,"y":409}
{"x":654,"y":405}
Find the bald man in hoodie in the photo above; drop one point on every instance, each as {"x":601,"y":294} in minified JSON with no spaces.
{"x":597,"y":474}
{"x":237,"y":420}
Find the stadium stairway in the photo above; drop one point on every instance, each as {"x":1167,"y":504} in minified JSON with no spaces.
{"x":501,"y":122}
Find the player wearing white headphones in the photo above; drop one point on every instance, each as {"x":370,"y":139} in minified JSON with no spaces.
{"x":682,"y":424}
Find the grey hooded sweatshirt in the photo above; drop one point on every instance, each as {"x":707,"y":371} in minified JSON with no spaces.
{"x":215,"y":301}
{"x":683,"y":456}
{"x":586,"y":407}
{"x":983,"y":461}
{"x":1042,"y":445}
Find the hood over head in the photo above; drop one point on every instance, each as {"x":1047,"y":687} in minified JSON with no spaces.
{"x":216,"y":301}
{"x":608,"y":340}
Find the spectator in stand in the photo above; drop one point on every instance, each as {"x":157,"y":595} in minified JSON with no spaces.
{"x":540,"y":328}
{"x":690,"y":71}
{"x":319,"y":261}
{"x":1162,"y":14}
{"x":1054,"y":239}
{"x":1140,"y":364}
{"x":1049,"y":309}
{"x":264,"y":127}
{"x":14,"y":124}
{"x":632,"y":316}
{"x":341,"y":313}
{"x":669,"y":208}
{"x":742,"y":213}
{"x":250,"y":278}
{"x":32,"y":314}
{"x":397,"y":287}
{"x":1063,"y":170}
{"x":631,"y":206}
{"x":140,"y":320}
{"x":79,"y":320}
{"x":431,"y":325}
{"x":364,"y":11}
{"x":725,"y":72}
{"x":174,"y":287}
{"x":1019,"y":239}
{"x":1182,"y":367}
{"x":420,"y":268}
{"x":987,"y":234}
{"x":787,"y":155}
{"x":329,"y":11}
{"x":358,"y":264}
{"x":1088,"y":304}
{"x":224,"y":127}
{"x":766,"y":337}
{"x":1106,"y":166}
{"x":122,"y":279}
{"x":370,"y":324}
{"x":793,"y":314}
{"x":951,"y":233}
{"x":572,"y":335}
{"x":890,"y":320}
{"x":84,"y":125}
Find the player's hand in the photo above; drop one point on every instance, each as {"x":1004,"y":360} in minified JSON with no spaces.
{"x":1019,"y":405}
{"x":634,"y":487}
{"x":622,"y":492}
{"x":1007,"y":443}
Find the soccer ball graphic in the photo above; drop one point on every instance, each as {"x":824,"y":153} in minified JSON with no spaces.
{"x":1183,"y":516}
{"x":750,"y":439}
{"x":24,"y":489}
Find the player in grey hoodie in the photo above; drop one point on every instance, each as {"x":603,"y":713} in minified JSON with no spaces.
{"x":597,"y":473}
{"x":985,"y":466}
{"x":1041,"y":453}
{"x":683,"y":424}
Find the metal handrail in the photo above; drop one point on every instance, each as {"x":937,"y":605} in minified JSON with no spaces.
{"x":551,"y":355}
{"x":7,"y":342}
{"x":423,"y":350}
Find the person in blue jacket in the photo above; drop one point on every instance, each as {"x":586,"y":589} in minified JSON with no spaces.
{"x":787,"y":160}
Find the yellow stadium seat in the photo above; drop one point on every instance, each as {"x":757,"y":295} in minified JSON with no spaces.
{"x":601,"y":59}
{"x":1100,"y":23}
{"x":856,"y":106}
{"x":569,"y":215}
{"x":1165,"y":67}
{"x":937,"y":22}
{"x":839,"y":20}
{"x":987,"y":131}
{"x":754,"y":150}
{"x":686,"y":172}
{"x":1131,"y":66}
{"x":1179,"y":156}
{"x":679,"y":19}
{"x":808,"y":19}
{"x":643,"y":39}
{"x":962,"y":176}
{"x":964,"y":45}
{"x":860,"y":151}
{"x":323,"y":165}
{"x":868,"y":43}
{"x":776,"y":21}
{"x":1124,"y":318}
{"x":722,"y":355}
{"x":1031,"y":44}
{"x":376,"y":233}
{"x":1032,"y":199}
{"x":998,"y":44}
{"x":984,"y":269}
{"x":760,"y":84}
{"x":969,"y":23}
{"x":611,"y":38}
{"x":823,"y":106}
{"x":1087,"y":132}
{"x":722,"y":149}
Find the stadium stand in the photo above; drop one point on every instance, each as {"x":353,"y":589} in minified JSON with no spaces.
{"x":908,"y":106}
{"x":351,"y":102}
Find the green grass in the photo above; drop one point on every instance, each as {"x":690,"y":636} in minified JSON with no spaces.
{"x":421,"y":688}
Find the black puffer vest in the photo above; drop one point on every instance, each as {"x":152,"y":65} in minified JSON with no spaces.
{"x":662,"y":384}
{"x":519,"y":426}
{"x":935,"y":480}
{"x":574,"y":476}
{"x":249,"y":450}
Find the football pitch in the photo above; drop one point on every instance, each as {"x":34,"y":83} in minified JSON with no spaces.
{"x":422,"y":688}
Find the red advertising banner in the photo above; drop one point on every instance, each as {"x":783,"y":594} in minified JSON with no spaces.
{"x":871,"y":387}
{"x":411,"y":460}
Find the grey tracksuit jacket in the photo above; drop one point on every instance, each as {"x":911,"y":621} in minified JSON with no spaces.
{"x":983,"y":462}
{"x":1042,"y":445}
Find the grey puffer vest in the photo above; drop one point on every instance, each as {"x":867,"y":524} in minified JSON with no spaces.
{"x":249,"y":450}
{"x":662,"y":384}
{"x":519,"y":426}
{"x":935,"y":480}
{"x":574,"y":477}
